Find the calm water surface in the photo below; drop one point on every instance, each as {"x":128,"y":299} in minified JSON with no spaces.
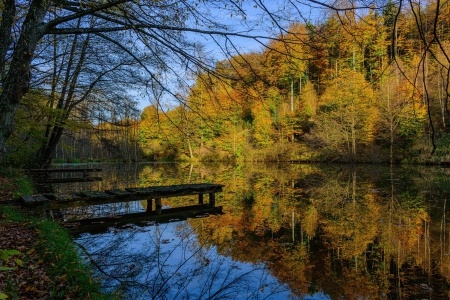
{"x":287,"y":232}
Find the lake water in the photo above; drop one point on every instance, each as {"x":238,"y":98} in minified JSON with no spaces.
{"x":286,"y":232}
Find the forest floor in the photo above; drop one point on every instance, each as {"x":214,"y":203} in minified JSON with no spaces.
{"x":38,"y":260}
{"x":7,"y":188}
{"x":31,"y":279}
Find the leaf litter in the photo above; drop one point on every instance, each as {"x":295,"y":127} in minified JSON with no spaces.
{"x":31,"y":280}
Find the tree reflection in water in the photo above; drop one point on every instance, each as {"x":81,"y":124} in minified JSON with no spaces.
{"x":350,"y":232}
{"x":166,"y":261}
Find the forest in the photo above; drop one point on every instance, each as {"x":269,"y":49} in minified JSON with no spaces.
{"x":362,"y":84}
{"x":335,"y":91}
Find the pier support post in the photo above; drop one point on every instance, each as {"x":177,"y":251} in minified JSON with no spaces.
{"x":158,"y":206}
{"x":200,"y":198}
{"x":149,"y":205}
{"x":212,"y":199}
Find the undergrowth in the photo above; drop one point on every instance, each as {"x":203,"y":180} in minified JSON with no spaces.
{"x":71,"y":277}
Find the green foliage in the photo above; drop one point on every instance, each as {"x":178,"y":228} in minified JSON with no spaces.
{"x":26,"y":186}
{"x":33,"y":122}
{"x":389,"y":13}
{"x":443,"y":145}
{"x":29,"y":130}
{"x":5,"y":256}
{"x":410,"y":127}
{"x":18,"y":183}
{"x":161,"y":133}
{"x":12,"y":214}
{"x":75,"y":160}
{"x":61,"y":253}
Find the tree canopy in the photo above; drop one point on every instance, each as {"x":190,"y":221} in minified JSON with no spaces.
{"x":97,"y":54}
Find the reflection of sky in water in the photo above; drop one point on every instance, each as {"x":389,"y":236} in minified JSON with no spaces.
{"x":353,"y":220}
{"x":103,"y":210}
{"x":167,"y":262}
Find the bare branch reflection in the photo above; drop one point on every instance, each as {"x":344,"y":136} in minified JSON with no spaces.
{"x":167,"y":261}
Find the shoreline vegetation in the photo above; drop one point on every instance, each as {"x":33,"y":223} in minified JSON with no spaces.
{"x":38,"y":259}
{"x":442,"y":161}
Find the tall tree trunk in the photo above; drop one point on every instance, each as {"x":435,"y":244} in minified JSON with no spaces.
{"x":391,"y":127}
{"x":16,"y":82}
{"x":8,"y":14}
{"x":353,"y":132}
{"x":442,"y":100}
{"x":292,"y":95}
{"x":66,"y":102}
{"x":191,"y":153}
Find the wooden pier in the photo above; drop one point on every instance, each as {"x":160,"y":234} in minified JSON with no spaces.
{"x":45,"y":175}
{"x":156,"y":193}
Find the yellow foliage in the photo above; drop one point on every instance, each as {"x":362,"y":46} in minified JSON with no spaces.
{"x":310,"y":221}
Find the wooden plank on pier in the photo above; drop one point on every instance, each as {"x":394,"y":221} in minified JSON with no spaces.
{"x":140,"y":191}
{"x":67,"y":180}
{"x":177,"y":190}
{"x":64,"y":170}
{"x":87,"y":198}
{"x":95,"y":194}
{"x":34,"y":199}
{"x":28,"y":199}
{"x":66,"y":197}
{"x":40,"y":199}
{"x":118,"y":192}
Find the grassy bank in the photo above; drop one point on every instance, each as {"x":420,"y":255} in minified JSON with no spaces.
{"x":47,"y":264}
{"x":52,"y":267}
{"x":14,"y":183}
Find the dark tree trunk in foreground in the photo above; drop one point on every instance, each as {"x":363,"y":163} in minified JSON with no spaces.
{"x":16,"y":80}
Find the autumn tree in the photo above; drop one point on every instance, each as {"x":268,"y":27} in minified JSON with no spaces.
{"x":402,"y":113}
{"x":348,"y":106}
{"x":151,"y":28}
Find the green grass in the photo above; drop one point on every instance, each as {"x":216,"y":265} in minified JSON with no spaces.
{"x":12,"y":214}
{"x":71,"y":276}
{"x":65,"y":262}
{"x":25,"y":186}
{"x":17,"y":182}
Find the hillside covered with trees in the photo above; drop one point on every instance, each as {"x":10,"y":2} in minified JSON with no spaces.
{"x":341,"y":90}
{"x":364,"y":83}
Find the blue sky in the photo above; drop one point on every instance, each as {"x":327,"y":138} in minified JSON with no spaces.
{"x":256,"y":23}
